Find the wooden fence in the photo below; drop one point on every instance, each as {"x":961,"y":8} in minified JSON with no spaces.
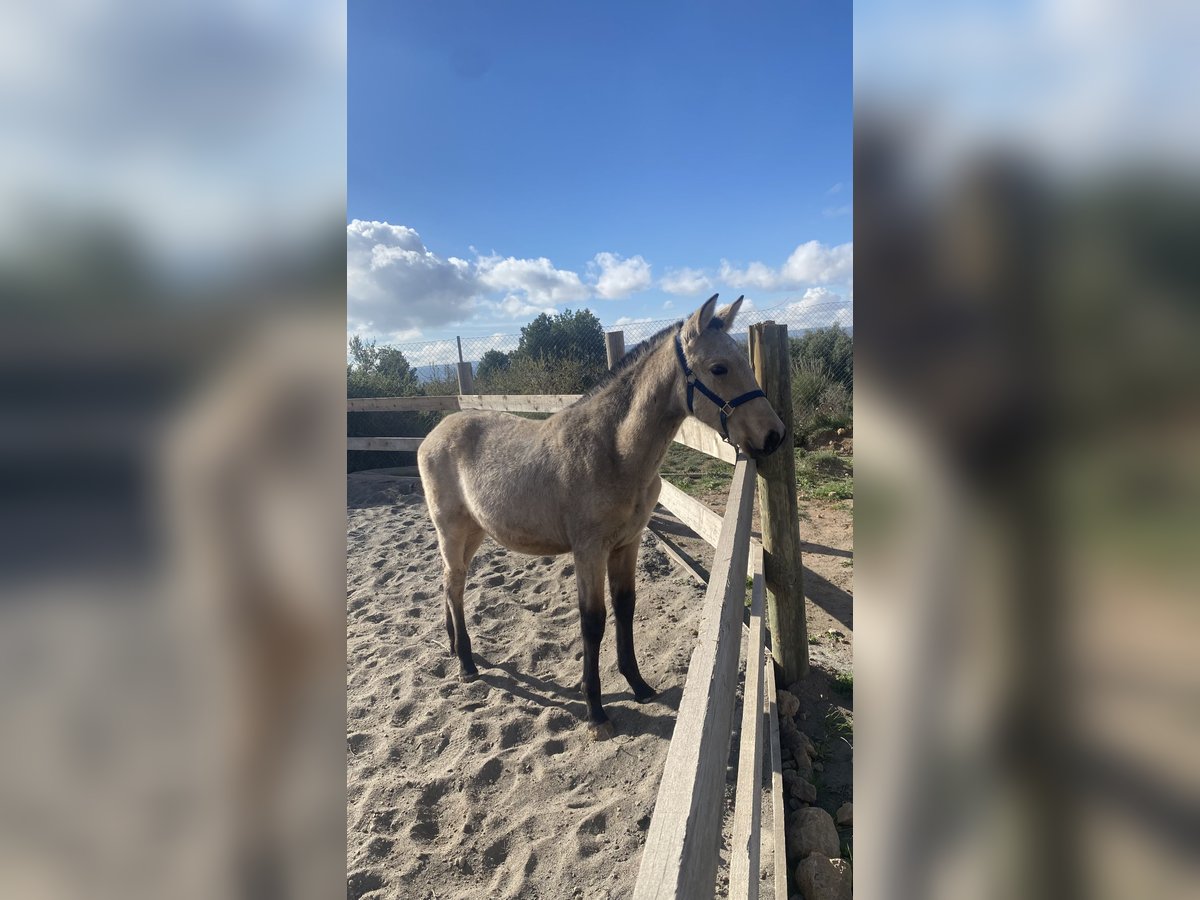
{"x":683,"y":842}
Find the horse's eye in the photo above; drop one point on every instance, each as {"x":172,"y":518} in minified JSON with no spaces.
{"x":718,"y":370}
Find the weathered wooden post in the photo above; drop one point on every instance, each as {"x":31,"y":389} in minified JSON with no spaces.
{"x":782,"y":568}
{"x":614,"y":345}
{"x":466,"y":378}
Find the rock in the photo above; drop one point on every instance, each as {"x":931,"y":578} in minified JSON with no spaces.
{"x":788,"y":703}
{"x":804,"y":791}
{"x":812,"y":831}
{"x":845,"y":814}
{"x":821,"y":878}
{"x":799,"y":787}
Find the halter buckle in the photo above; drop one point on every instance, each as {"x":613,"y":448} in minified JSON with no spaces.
{"x":691,"y":378}
{"x":727,"y":409}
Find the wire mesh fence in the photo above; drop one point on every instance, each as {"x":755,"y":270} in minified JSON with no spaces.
{"x":566,"y":354}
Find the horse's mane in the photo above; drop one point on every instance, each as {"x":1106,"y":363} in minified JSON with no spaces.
{"x":630,"y":359}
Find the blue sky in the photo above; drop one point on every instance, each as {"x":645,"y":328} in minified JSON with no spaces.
{"x":633,"y":158}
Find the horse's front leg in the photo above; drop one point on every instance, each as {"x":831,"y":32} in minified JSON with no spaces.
{"x":589,"y":578}
{"x":622,"y":571}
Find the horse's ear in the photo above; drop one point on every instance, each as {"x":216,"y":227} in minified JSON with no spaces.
{"x":699,"y":320}
{"x":726,"y":315}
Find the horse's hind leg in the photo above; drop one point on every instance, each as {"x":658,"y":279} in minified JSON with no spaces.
{"x":458,"y":542}
{"x":622,"y":570}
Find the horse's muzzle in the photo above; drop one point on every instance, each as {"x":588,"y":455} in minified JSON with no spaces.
{"x":774,"y":441}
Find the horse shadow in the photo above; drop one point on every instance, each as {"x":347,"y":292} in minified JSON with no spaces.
{"x":656,"y":717}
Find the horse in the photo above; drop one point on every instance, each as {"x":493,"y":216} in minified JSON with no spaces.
{"x":585,"y":480}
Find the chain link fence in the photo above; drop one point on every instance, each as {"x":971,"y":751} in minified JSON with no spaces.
{"x":566,"y":354}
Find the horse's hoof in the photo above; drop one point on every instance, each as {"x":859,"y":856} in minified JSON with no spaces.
{"x":467,"y":677}
{"x":645,"y":695}
{"x":600,"y":731}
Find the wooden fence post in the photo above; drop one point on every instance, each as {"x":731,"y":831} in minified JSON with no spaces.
{"x":614,"y":345}
{"x":466,"y":378}
{"x":782,"y":567}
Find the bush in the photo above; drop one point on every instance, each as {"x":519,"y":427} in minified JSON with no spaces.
{"x":539,"y":375}
{"x":820,"y":403}
{"x":822,"y":384}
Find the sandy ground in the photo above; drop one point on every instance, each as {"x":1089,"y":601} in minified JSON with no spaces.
{"x":494,"y":789}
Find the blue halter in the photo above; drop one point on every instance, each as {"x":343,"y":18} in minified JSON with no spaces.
{"x":726,"y":408}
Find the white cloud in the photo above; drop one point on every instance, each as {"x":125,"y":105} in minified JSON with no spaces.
{"x":537,"y":278}
{"x":617,"y":277}
{"x":834,"y":189}
{"x":685,"y":281}
{"x":820,"y":307}
{"x":515,"y":307}
{"x":833,"y":212}
{"x":668,"y":305}
{"x":812,"y":263}
{"x":630,"y":320}
{"x":395,"y":285}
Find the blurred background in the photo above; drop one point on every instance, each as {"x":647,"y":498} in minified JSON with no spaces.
{"x":172,"y":240}
{"x":1028,"y":432}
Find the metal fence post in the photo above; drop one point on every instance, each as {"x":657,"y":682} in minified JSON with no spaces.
{"x":614,"y":345}
{"x":783,"y":570}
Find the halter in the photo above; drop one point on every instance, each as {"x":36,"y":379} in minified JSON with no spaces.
{"x":726,"y":408}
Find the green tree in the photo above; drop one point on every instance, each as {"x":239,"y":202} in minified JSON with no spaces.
{"x":374,"y":371}
{"x":568,"y":335}
{"x":491,"y":364}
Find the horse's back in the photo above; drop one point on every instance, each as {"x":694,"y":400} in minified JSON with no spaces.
{"x":492,"y":467}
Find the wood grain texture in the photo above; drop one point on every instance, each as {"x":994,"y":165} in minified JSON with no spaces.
{"x":782,"y":565}
{"x":691,"y":512}
{"x":695,"y":434}
{"x":466,"y":378}
{"x":547,"y":403}
{"x":383,"y":443}
{"x":744,"y":847}
{"x":614,"y":347}
{"x":680,"y":856}
{"x":695,"y":515}
{"x":778,"y":823}
{"x":400,"y":404}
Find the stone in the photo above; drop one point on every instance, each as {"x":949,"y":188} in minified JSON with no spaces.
{"x":799,"y":787}
{"x":804,"y":791}
{"x":812,"y":831}
{"x":788,"y":703}
{"x":821,"y":878}
{"x":845,"y":814}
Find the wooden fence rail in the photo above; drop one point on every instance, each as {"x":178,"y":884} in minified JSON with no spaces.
{"x":680,"y":856}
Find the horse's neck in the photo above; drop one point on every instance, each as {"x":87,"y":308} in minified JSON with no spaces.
{"x":655,"y":412}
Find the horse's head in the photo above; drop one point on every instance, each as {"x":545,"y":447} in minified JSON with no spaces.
{"x":722,"y":391}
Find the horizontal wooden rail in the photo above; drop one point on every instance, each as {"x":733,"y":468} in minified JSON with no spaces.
{"x":383,"y":443}
{"x":401,"y":404}
{"x":744,"y":850}
{"x":695,"y":434}
{"x":696,"y":516}
{"x":540,"y":403}
{"x":680,"y":856}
